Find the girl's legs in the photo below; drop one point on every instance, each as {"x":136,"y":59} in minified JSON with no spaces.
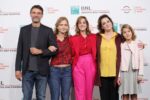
{"x":125,"y":97}
{"x":134,"y":97}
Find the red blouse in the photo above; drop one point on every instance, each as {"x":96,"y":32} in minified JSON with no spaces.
{"x":82,"y":46}
{"x":64,"y":53}
{"x":85,"y":48}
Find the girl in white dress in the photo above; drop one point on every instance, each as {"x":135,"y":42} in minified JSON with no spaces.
{"x":131,"y":69}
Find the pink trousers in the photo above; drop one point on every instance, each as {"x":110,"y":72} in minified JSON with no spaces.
{"x":84,"y":76}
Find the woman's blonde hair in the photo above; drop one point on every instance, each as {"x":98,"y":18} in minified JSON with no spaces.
{"x":59,"y":20}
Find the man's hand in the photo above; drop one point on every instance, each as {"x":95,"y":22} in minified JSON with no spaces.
{"x":35,"y":51}
{"x":18,"y":75}
{"x":52,"y":48}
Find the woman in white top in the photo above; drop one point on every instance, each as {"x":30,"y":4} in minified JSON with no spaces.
{"x":131,"y":69}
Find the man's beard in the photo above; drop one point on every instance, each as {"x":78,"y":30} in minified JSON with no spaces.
{"x":35,"y":20}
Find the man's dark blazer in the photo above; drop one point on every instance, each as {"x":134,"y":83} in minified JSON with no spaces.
{"x":45,"y":39}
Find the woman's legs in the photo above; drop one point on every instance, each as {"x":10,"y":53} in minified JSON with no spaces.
{"x":104,"y":89}
{"x":66,"y":82}
{"x":54,"y":82}
{"x":108,"y":90}
{"x":79,"y":83}
{"x":90,"y":72}
{"x":84,"y":77}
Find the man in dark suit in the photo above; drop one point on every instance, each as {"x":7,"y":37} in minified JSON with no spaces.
{"x":32,"y":59}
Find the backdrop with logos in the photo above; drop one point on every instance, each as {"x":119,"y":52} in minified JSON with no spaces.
{"x":15,"y":14}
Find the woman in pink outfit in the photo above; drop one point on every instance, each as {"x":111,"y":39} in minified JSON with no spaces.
{"x":84,"y":53}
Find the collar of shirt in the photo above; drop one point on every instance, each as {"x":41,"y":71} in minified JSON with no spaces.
{"x":114,"y":34}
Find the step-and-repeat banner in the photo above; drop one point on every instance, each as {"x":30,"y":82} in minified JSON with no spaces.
{"x":15,"y":14}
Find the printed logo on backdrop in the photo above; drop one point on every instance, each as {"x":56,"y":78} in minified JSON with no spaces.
{"x":135,"y":9}
{"x":3,"y":66}
{"x":136,"y":28}
{"x":126,"y":9}
{"x":51,"y":10}
{"x":9,"y":13}
{"x":3,"y":30}
{"x":76,"y":10}
{"x":4,"y":85}
{"x":117,"y":27}
{"x":139,"y":9}
{"x":8,"y":49}
{"x":1,"y":83}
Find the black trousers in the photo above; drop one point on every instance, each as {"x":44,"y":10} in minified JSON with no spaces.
{"x":108,"y":90}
